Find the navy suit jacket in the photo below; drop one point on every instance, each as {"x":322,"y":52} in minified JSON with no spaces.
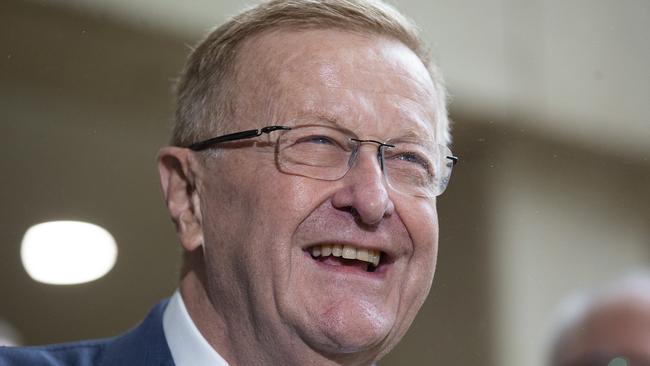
{"x":144,"y":345}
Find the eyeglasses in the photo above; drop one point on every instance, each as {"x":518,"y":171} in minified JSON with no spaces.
{"x":409,"y":166}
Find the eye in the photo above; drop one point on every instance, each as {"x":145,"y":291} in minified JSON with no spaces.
{"x":409,"y":169}
{"x":318,"y":140}
{"x":413,"y":158}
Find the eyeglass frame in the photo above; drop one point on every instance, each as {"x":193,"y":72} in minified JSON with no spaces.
{"x":247,"y":134}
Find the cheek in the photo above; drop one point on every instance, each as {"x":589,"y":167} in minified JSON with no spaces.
{"x":421,"y":222}
{"x":426,"y":239}
{"x":248,"y":226}
{"x":254,"y":219}
{"x":288,"y":202}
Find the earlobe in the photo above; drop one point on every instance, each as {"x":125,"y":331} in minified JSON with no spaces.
{"x":179,"y":191}
{"x":190,"y":231}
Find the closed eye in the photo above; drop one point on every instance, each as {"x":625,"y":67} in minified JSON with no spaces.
{"x":411,"y":157}
{"x":325,"y":140}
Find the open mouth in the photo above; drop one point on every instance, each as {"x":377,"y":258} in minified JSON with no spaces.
{"x":367,"y":260}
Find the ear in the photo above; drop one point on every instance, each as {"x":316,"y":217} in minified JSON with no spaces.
{"x":178,"y":169}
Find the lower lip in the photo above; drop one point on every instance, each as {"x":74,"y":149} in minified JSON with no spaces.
{"x":328,"y":265}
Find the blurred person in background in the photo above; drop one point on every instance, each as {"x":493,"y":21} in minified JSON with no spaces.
{"x":9,"y":336}
{"x":609,"y":327}
{"x":309,"y":148}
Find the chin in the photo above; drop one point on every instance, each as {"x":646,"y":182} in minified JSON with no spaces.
{"x":347,"y":329}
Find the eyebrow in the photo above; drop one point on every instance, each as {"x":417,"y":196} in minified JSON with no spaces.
{"x":320,"y":117}
{"x":410,"y":135}
{"x":414,"y":134}
{"x":324,"y":118}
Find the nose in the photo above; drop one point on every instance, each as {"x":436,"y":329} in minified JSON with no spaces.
{"x":364,"y":191}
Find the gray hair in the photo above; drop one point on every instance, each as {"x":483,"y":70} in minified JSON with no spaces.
{"x":206,"y":91}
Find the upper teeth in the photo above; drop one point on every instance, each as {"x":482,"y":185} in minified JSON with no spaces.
{"x":348,"y":252}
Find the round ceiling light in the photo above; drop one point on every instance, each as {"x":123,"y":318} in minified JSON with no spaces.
{"x":67,"y":252}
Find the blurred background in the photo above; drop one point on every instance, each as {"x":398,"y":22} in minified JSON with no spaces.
{"x":550,"y":102}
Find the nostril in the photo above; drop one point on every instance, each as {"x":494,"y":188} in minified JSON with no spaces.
{"x":364,"y":195}
{"x":367,"y":220}
{"x":353,"y":211}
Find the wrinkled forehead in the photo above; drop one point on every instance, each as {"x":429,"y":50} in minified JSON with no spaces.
{"x":341,"y":75}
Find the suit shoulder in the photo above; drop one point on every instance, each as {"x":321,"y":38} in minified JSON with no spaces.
{"x":84,"y":353}
{"x":143,"y":345}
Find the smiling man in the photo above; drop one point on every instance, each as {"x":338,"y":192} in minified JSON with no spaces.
{"x":309,"y":148}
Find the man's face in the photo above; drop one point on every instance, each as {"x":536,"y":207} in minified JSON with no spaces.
{"x":260,"y":224}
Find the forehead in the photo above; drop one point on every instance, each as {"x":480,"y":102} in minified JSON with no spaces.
{"x":363,"y":81}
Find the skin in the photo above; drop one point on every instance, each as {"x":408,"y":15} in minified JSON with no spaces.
{"x":253,"y":291}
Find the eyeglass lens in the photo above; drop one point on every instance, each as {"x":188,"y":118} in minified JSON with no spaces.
{"x":327,"y":153}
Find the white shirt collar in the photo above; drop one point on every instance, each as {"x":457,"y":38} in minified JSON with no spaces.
{"x":186,"y":343}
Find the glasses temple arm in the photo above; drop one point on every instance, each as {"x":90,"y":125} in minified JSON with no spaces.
{"x":202,"y":145}
{"x":454,"y":159}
